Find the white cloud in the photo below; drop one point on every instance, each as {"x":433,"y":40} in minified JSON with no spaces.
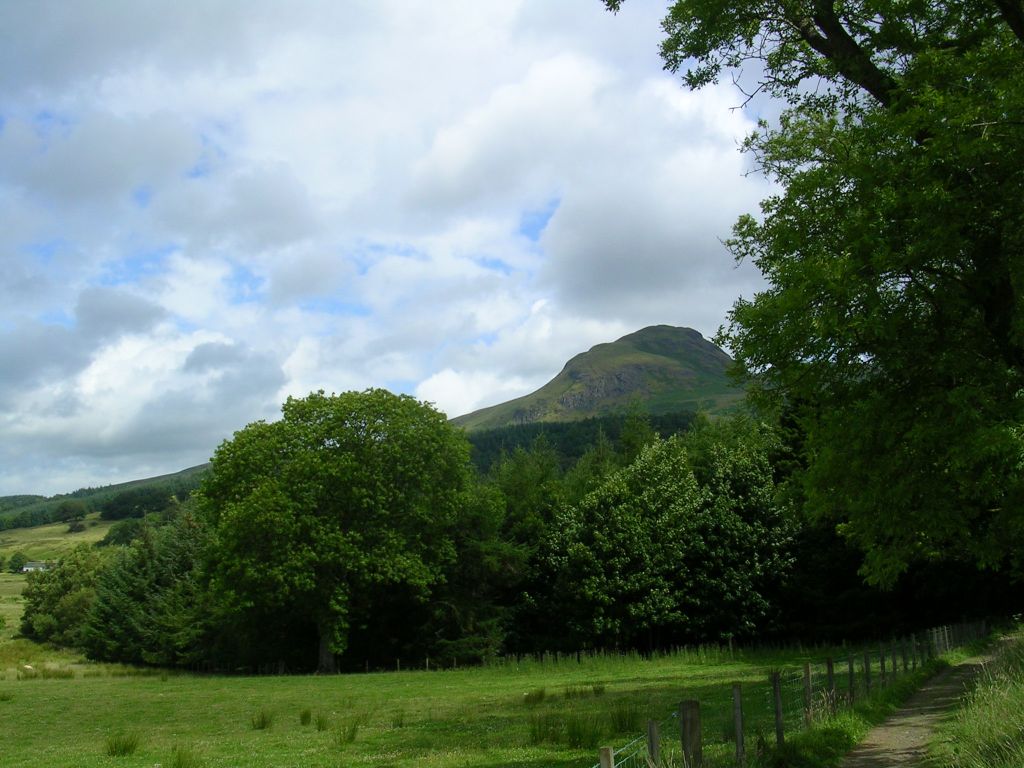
{"x":209,"y":207}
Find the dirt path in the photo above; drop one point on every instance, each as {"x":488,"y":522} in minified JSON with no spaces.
{"x":903,"y":739}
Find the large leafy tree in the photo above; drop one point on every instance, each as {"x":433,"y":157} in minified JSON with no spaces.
{"x":344,"y":494}
{"x":685,"y":544}
{"x":58,"y":600}
{"x":892,"y":328}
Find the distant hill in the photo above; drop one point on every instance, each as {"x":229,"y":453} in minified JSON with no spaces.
{"x":28,"y":511}
{"x":666,"y":369}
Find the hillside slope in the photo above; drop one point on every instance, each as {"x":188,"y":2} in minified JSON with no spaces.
{"x":26,"y":511}
{"x":665,"y":368}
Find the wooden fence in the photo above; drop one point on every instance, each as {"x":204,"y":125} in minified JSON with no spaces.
{"x":790,"y":699}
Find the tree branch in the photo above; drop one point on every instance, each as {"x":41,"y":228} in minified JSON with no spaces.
{"x":825,"y":33}
{"x":1013,"y":14}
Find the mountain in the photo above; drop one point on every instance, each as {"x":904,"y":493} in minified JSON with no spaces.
{"x":663,"y":367}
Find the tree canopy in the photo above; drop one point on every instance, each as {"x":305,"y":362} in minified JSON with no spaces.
{"x":345,"y":493}
{"x":892,"y":328}
{"x":683,"y":545}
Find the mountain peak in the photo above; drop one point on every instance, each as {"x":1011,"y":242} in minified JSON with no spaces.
{"x":663,"y":367}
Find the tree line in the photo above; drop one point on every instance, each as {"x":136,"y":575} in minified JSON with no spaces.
{"x":131,"y":502}
{"x":355,"y":531}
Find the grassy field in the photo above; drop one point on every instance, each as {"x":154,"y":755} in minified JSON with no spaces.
{"x":532,"y":715}
{"x":56,"y":709}
{"x":49,"y":542}
{"x":11,"y":585}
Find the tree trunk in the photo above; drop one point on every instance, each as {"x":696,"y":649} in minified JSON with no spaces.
{"x":326,"y":663}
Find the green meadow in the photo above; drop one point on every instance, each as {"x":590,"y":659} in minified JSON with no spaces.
{"x":11,"y":585}
{"x":49,"y":542}
{"x":63,"y":712}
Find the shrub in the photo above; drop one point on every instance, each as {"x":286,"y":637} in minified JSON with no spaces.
{"x":17,"y":562}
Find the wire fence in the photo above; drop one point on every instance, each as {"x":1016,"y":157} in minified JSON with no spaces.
{"x":723,"y":730}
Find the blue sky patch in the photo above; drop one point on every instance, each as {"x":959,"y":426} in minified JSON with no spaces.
{"x":47,"y":123}
{"x":57,"y":317}
{"x":246,"y":285}
{"x":495,"y":265}
{"x":142,"y":196}
{"x":137,"y":266}
{"x":44,"y":250}
{"x":532,"y":223}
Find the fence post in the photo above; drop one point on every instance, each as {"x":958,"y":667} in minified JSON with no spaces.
{"x":867,"y":672}
{"x":808,"y":700}
{"x":607,"y":757}
{"x":653,"y":742}
{"x":851,"y":679}
{"x":689,"y":725}
{"x":780,"y":736}
{"x":737,"y":719}
{"x":831,"y":694}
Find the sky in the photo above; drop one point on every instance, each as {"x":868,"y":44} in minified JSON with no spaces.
{"x":209,"y":207}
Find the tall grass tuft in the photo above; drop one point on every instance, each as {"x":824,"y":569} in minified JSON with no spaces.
{"x":306,"y":716}
{"x":6,"y":696}
{"x":584,"y":730}
{"x":122,"y":744}
{"x":347,"y":731}
{"x":185,"y":757}
{"x":625,"y":717}
{"x":545,"y":727}
{"x":322,"y":721}
{"x":262,"y":719}
{"x":56,"y":673}
{"x":536,"y":696}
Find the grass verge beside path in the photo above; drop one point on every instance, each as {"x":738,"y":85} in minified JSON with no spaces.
{"x":827,"y":743}
{"x":988,"y":730}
